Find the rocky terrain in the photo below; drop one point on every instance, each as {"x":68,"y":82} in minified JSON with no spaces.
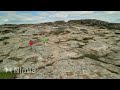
{"x":77,"y":49}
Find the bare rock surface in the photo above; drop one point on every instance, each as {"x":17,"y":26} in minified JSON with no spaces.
{"x":72,"y":50}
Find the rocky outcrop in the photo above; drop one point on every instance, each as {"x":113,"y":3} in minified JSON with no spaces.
{"x":99,"y":23}
{"x":77,"y":49}
{"x":58,"y":23}
{"x":90,"y":22}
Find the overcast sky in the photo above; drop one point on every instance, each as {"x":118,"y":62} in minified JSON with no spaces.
{"x":29,"y":17}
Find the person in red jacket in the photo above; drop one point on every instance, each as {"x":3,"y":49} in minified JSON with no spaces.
{"x":31,"y":44}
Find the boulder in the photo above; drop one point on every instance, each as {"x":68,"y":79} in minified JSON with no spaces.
{"x":97,"y":48}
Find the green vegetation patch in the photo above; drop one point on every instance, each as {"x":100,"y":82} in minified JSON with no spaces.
{"x":7,"y":75}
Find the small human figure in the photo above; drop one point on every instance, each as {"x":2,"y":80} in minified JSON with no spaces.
{"x":31,"y":44}
{"x":44,"y":40}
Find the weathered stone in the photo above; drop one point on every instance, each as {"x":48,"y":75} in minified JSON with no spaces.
{"x":73,"y":44}
{"x":74,"y":50}
{"x":114,"y":56}
{"x":88,"y":37}
{"x":15,"y":58}
{"x":97,"y":48}
{"x":2,"y":58}
{"x":9,"y":64}
{"x":117,"y":32}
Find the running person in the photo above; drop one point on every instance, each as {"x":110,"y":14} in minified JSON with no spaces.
{"x":31,"y":44}
{"x":44,"y":40}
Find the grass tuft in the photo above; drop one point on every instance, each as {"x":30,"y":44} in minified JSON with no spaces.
{"x":7,"y":75}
